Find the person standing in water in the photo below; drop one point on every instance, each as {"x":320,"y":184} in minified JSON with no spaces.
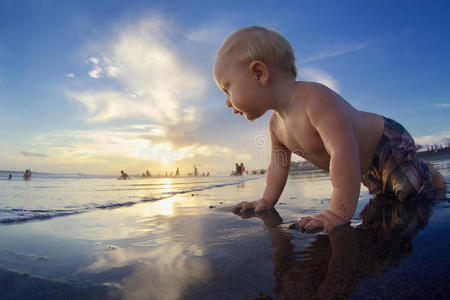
{"x":27,"y":175}
{"x":124,"y":175}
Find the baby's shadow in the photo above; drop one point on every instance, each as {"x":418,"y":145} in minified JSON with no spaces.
{"x":333,"y":265}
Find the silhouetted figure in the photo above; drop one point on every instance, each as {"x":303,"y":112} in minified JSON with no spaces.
{"x":124,"y":175}
{"x":238,"y":171}
{"x":9,"y":177}
{"x":177,"y":173}
{"x":27,"y":175}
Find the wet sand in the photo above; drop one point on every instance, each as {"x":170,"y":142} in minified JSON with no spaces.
{"x":191,"y":246}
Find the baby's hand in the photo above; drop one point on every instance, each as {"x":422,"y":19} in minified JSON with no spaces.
{"x":324,"y":221}
{"x":256,"y":206}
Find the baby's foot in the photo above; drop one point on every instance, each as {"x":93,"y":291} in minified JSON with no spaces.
{"x":324,"y":221}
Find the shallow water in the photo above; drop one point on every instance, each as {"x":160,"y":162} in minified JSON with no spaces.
{"x":52,"y":195}
{"x":191,"y":246}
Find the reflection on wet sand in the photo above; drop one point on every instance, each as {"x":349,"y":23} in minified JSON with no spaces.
{"x":334,"y":265}
{"x":164,"y":262}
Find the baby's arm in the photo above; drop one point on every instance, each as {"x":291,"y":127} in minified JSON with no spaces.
{"x":277,"y":174}
{"x":329,"y":117}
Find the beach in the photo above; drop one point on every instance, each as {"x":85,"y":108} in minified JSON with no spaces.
{"x":186,"y":243}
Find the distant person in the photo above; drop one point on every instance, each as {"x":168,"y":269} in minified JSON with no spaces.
{"x":238,"y":169}
{"x":177,"y":173}
{"x":27,"y":175}
{"x":242,"y":168}
{"x":9,"y":177}
{"x":255,"y":67}
{"x":195,"y":171}
{"x":147,"y":173}
{"x":124,"y":175}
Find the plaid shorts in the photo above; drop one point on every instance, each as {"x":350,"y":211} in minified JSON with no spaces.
{"x":396,"y":171}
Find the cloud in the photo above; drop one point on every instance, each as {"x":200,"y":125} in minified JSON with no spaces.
{"x":97,"y":71}
{"x":434,"y":139}
{"x":316,"y":75}
{"x":338,"y":50}
{"x":133,"y":147}
{"x":155,"y":76}
{"x":33,"y":154}
{"x":94,"y":60}
{"x":70,"y":75}
{"x":152,"y":77}
{"x":442,"y":105}
{"x":209,"y":34}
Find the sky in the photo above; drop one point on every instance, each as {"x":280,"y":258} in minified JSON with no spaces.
{"x":103,"y":86}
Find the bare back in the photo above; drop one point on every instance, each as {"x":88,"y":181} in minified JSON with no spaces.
{"x":297,"y":133}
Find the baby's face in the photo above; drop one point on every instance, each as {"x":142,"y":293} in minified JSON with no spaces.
{"x":236,"y":81}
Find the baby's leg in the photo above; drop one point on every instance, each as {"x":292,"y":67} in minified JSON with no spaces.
{"x":437,"y":180}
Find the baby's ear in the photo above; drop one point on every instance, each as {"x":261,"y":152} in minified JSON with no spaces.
{"x":260,"y":71}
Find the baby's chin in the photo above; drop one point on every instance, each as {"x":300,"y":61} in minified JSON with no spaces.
{"x":251,"y":117}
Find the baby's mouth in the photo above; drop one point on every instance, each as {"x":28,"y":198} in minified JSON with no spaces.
{"x":237,"y":111}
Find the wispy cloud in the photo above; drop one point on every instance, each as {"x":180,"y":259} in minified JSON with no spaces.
{"x":70,"y":75}
{"x":442,"y":105}
{"x":212,"y":34}
{"x":33,"y":154}
{"x":337,"y":50}
{"x":316,"y":75}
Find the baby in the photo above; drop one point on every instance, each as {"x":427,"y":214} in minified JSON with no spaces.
{"x":255,"y":68}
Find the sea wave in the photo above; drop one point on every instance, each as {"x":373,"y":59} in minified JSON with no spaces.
{"x":9,"y":215}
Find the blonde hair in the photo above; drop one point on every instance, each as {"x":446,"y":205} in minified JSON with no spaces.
{"x":259,"y":43}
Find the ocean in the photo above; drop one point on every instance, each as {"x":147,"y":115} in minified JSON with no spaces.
{"x":49,"y":195}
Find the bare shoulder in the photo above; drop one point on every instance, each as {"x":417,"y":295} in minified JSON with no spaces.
{"x":273,"y":122}
{"x":320,"y":102}
{"x":317,"y":93}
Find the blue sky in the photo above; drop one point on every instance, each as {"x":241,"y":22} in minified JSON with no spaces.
{"x":99,"y":86}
